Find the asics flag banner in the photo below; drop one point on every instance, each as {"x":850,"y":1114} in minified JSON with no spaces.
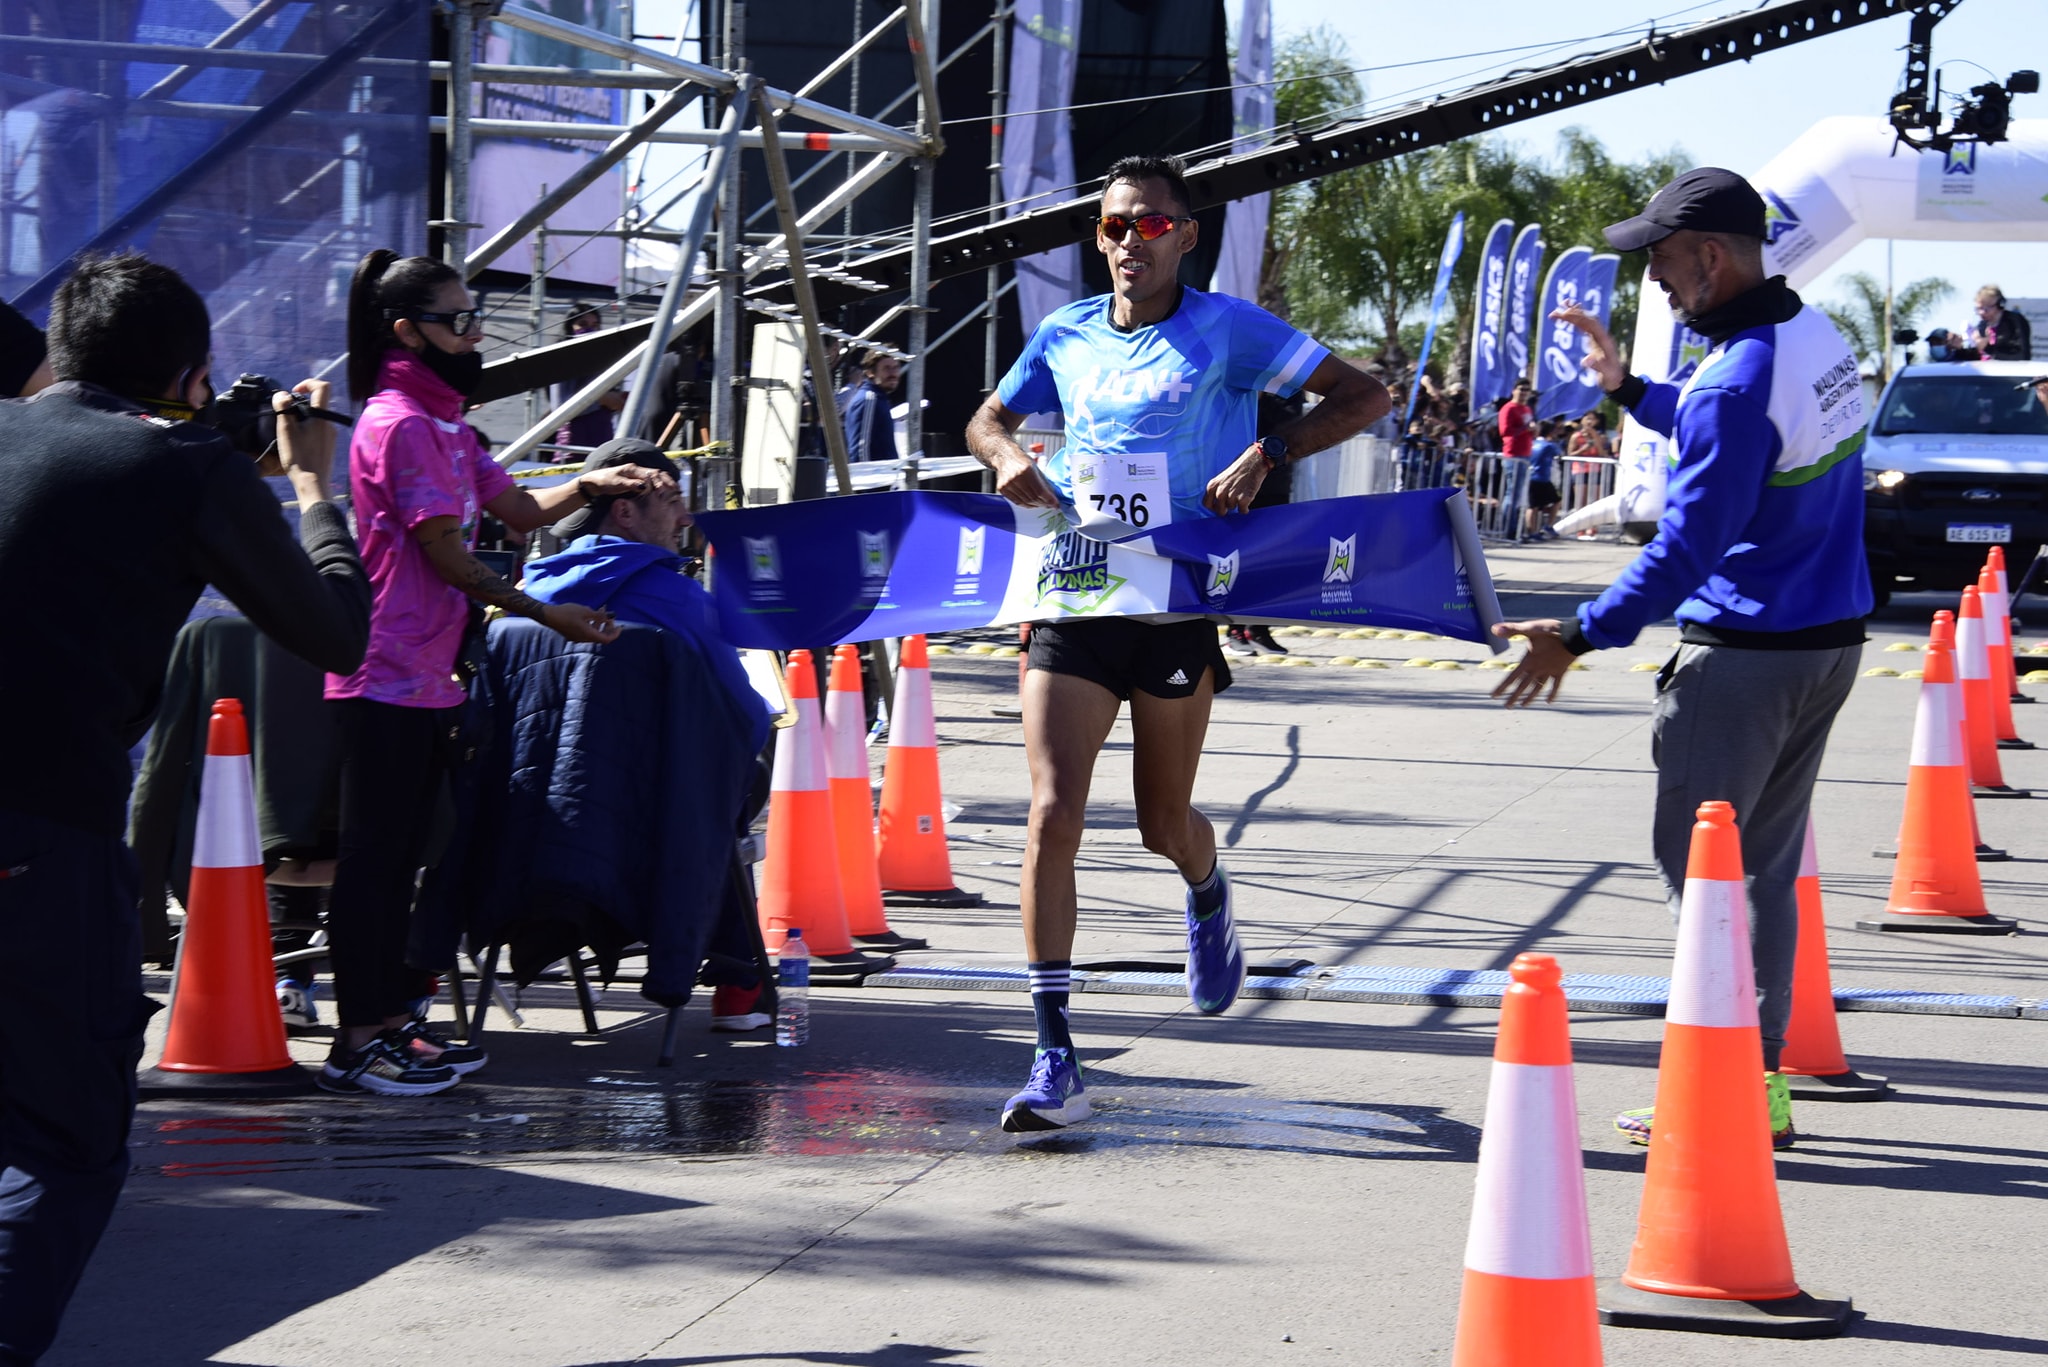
{"x":1489,"y":371}
{"x":897,"y":564}
{"x":1525,"y":263}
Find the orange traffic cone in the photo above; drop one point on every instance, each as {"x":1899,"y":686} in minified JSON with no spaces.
{"x":1973,"y":668}
{"x":1996,"y":560}
{"x":911,"y":848}
{"x":1944,"y":631}
{"x":853,"y":805}
{"x":226,"y":1035}
{"x":800,"y":877}
{"x":1710,"y":1253}
{"x":1528,"y":1296}
{"x":1935,"y":887}
{"x":1813,"y":1063}
{"x":1998,"y":651}
{"x":1943,"y":634}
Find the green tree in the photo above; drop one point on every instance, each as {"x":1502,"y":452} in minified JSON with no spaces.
{"x":1352,"y":256}
{"x":1860,"y":315}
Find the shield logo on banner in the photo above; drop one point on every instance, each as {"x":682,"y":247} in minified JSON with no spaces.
{"x":1222,"y":574}
{"x":968,"y":559}
{"x":874,"y":555}
{"x":1338,"y":569}
{"x":764,"y":559}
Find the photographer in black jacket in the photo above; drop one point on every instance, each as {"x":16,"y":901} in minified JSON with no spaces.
{"x":115,"y":510}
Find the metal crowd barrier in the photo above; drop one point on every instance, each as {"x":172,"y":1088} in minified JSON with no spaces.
{"x":1496,"y":485}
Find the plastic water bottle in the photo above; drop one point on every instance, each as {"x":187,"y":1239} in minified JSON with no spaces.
{"x":793,"y":991}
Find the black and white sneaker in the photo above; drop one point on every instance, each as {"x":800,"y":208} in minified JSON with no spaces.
{"x":435,"y":1050}
{"x":387,"y":1067}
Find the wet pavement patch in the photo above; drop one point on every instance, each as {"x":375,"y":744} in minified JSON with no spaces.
{"x":823,"y":1114}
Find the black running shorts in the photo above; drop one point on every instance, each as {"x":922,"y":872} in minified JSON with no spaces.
{"x":1123,"y":656}
{"x":1542,"y":494}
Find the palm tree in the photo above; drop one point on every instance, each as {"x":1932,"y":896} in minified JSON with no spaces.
{"x":1861,"y":316}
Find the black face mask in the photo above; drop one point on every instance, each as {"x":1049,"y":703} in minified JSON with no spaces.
{"x":461,"y":371}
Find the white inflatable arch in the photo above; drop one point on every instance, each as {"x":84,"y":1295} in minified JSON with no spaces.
{"x":1837,"y":185}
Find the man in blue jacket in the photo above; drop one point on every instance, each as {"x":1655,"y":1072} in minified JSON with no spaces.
{"x":623,"y":553}
{"x":1759,"y":552}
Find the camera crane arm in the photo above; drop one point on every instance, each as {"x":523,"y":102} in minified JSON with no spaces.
{"x":1301,"y":154}
{"x":1305,"y":154}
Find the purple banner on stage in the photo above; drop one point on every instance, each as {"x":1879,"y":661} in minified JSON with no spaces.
{"x":1241,"y":263}
{"x":1038,"y":145}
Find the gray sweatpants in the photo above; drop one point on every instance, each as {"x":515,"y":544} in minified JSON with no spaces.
{"x":1748,"y":727}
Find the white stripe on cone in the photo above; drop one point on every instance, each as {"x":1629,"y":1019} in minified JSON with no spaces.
{"x":1529,"y":1201}
{"x":911,"y":723}
{"x":226,"y":837}
{"x":1938,"y":729}
{"x":800,"y":752}
{"x":1971,"y":660}
{"x":846,"y":750}
{"x":1809,"y":855}
{"x":1994,"y":620}
{"x":1714,"y":978}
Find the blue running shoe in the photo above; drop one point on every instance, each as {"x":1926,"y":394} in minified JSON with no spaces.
{"x":1053,"y":1099}
{"x":1215,"y":962}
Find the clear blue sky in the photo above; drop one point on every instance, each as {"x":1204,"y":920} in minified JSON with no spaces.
{"x":1737,"y":116}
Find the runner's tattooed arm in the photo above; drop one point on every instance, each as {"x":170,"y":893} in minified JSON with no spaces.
{"x":448,"y":552}
{"x":992,"y":440}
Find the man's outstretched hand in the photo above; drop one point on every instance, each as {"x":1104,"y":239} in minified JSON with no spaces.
{"x":1545,"y":661}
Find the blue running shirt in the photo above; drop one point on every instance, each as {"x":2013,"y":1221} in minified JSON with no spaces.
{"x":1165,"y":406}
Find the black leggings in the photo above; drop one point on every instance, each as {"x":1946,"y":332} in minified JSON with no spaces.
{"x":393,"y":763}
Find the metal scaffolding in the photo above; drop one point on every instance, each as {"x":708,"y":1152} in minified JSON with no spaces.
{"x":753,"y":115}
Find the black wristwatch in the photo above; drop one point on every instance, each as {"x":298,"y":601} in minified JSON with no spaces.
{"x":1274,"y":449}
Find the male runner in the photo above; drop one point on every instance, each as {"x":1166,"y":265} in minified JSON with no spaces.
{"x":1159,"y":385}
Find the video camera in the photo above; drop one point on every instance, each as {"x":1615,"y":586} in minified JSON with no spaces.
{"x":243,"y":414}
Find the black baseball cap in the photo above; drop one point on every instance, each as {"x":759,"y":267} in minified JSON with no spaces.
{"x":618,"y":451}
{"x":1706,"y":199}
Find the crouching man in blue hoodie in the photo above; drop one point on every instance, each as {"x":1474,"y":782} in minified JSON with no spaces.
{"x":1759,"y":552}
{"x":623,"y":554}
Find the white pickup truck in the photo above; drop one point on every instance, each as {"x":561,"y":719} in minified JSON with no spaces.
{"x":1956,"y":460}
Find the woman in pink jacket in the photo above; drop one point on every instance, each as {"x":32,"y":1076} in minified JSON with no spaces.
{"x":421,"y":481}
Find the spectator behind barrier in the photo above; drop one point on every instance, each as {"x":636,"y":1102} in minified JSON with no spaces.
{"x":115,"y":510}
{"x":870,"y":431}
{"x":1543,"y":494}
{"x":593,"y":426}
